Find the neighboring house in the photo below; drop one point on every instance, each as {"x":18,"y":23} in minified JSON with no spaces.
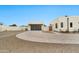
{"x":13,"y":27}
{"x":66,"y":23}
{"x":35,"y":26}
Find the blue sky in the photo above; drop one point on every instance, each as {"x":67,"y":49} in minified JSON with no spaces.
{"x":22,"y":14}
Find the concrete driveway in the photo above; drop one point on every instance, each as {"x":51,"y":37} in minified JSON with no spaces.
{"x":38,"y":36}
{"x":12,"y":44}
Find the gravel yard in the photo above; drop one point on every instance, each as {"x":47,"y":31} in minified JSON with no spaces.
{"x":10,"y":43}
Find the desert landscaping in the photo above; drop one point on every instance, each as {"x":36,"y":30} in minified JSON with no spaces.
{"x":11,"y":44}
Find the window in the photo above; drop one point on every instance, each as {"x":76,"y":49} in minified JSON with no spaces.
{"x":56,"y":25}
{"x":61,"y":24}
{"x":71,"y":25}
{"x":67,"y":18}
{"x":78,"y":30}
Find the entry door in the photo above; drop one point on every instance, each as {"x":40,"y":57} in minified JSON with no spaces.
{"x":50,"y":28}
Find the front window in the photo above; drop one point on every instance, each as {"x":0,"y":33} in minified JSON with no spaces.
{"x":61,"y":24}
{"x":56,"y":25}
{"x":71,"y":25}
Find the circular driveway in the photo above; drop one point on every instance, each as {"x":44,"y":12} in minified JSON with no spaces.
{"x":38,"y":36}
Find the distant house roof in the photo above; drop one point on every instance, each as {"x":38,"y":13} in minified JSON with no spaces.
{"x":36,"y":22}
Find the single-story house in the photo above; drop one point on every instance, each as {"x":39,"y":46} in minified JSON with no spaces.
{"x":66,"y":23}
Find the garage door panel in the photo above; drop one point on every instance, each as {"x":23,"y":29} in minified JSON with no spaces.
{"x":35,"y":27}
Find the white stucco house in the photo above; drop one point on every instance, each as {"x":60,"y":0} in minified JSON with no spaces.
{"x":66,"y":23}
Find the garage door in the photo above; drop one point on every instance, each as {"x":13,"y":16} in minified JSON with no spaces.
{"x":35,"y":27}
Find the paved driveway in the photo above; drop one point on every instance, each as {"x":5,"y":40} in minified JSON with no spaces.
{"x":38,"y":36}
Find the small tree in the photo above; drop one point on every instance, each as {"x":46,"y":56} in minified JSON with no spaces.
{"x":14,"y":25}
{"x":23,"y":26}
{"x":1,"y":23}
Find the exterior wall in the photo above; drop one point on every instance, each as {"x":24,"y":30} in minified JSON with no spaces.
{"x":16,"y":28}
{"x":45,"y":29}
{"x":2,"y":28}
{"x":13,"y":28}
{"x":42,"y":27}
{"x":73,"y":19}
{"x":24,"y":28}
{"x":29,"y":27}
{"x":5,"y":28}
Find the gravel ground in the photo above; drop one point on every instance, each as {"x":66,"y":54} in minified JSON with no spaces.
{"x":10,"y":44}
